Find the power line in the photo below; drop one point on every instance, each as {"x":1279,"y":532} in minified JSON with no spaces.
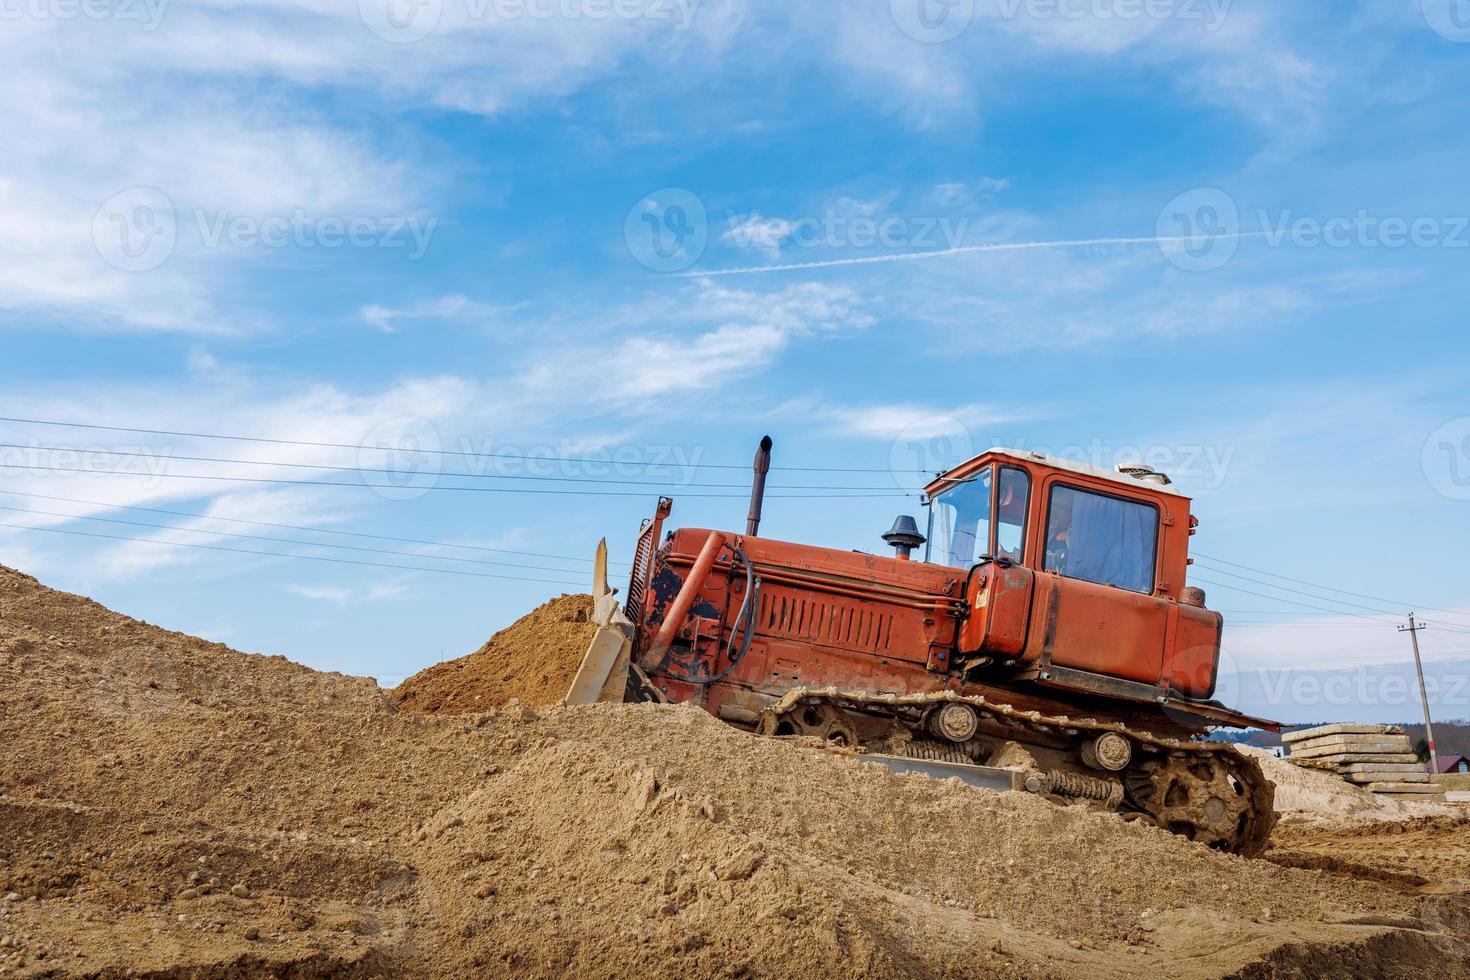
{"x":384,"y":471}
{"x":276,"y":554}
{"x":299,"y":527}
{"x":1327,"y":588}
{"x":1273,"y":598}
{"x":1309,"y":595}
{"x":433,"y":452}
{"x":308,"y":544}
{"x":1457,"y":628}
{"x":438,"y":487}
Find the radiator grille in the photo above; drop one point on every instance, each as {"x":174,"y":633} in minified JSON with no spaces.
{"x":837,"y":624}
{"x":642,"y":562}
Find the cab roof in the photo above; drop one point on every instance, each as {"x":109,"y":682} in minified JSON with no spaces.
{"x":948,"y":478}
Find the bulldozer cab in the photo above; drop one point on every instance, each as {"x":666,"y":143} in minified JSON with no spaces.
{"x":1116,"y":529}
{"x":1057,"y":553}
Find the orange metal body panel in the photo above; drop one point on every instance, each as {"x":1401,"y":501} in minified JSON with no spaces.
{"x":1097,"y":628}
{"x":1194,"y":659}
{"x":1000,"y":611}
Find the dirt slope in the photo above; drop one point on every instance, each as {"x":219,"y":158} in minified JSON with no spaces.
{"x":533,"y":661}
{"x":170,"y":807}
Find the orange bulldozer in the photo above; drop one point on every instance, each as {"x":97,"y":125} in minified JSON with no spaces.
{"x":1048,"y":642}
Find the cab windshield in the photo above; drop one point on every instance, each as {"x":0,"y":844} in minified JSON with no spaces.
{"x":961,"y":519}
{"x":959,"y":529}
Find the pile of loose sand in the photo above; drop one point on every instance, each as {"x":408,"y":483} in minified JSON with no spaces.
{"x":174,"y":808}
{"x":532,"y":661}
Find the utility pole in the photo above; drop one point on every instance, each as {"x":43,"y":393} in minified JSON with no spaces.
{"x":1413,"y":630}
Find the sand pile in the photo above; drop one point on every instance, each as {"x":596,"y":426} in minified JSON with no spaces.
{"x":174,"y":808}
{"x":532,"y":661}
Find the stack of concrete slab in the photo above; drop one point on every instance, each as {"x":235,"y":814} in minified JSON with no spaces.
{"x":1377,"y":757}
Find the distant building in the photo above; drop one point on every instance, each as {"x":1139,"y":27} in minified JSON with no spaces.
{"x":1455,"y":763}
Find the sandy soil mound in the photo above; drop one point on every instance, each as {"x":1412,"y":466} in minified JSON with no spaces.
{"x":532,"y":661}
{"x":169,"y":807}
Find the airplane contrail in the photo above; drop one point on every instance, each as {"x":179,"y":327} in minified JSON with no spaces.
{"x":962,"y":249}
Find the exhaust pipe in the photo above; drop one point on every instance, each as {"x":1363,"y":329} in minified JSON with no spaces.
{"x":758,"y":489}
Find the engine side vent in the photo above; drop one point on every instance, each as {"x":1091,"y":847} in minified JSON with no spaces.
{"x":835,"y":623}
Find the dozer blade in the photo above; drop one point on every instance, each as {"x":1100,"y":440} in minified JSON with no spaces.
{"x":981,"y":777}
{"x":603,"y":675}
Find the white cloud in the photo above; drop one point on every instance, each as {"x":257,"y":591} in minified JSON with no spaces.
{"x":915,"y":421}
{"x":756,"y":232}
{"x":727,"y":334}
{"x":320,"y":593}
{"x":342,"y":595}
{"x":386,"y":318}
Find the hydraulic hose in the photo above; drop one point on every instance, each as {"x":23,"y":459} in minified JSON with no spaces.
{"x":745,"y":617}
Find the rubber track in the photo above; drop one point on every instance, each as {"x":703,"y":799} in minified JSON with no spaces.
{"x":1260,"y":790}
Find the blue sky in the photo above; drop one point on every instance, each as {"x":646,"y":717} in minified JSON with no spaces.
{"x":316,"y":223}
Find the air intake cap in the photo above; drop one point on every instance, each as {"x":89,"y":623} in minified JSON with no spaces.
{"x":904,"y":536}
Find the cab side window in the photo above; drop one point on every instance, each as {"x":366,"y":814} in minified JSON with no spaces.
{"x":1097,"y":538}
{"x":1013,"y":497}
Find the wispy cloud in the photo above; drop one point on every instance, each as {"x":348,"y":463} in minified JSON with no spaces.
{"x":454,"y":308}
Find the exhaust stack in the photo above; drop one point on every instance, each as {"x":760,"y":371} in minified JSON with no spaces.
{"x":758,"y":488}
